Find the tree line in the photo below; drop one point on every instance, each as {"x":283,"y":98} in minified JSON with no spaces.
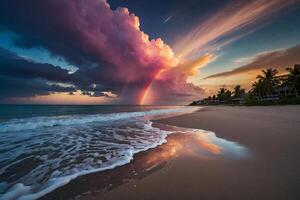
{"x":267,"y":86}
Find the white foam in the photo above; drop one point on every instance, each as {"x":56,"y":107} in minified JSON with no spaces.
{"x":17,"y":190}
{"x":22,"y":192}
{"x":40,"y":122}
{"x":137,"y":135}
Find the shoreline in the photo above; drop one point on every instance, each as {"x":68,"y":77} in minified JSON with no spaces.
{"x":188,"y":177}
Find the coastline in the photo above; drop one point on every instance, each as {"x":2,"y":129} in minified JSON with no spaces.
{"x":271,"y":172}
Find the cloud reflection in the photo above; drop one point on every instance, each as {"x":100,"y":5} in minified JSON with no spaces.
{"x":195,"y":143}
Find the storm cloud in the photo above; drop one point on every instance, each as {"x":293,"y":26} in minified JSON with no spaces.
{"x":20,"y":77}
{"x":106,"y":45}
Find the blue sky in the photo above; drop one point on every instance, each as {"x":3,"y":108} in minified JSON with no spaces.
{"x":39,"y":55}
{"x":99,"y":49}
{"x":281,"y":31}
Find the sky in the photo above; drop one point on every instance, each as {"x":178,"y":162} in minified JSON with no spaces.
{"x":134,"y":52}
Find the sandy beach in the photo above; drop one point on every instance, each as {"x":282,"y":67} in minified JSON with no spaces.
{"x":268,"y":169}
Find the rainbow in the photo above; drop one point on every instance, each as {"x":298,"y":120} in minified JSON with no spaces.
{"x":145,"y":92}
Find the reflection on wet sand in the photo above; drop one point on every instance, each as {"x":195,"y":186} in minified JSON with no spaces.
{"x":193,"y":142}
{"x":198,"y":144}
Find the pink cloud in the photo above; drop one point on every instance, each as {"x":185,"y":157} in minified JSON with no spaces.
{"x":106,"y":45}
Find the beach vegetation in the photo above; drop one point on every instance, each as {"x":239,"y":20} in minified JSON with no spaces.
{"x":269,"y":88}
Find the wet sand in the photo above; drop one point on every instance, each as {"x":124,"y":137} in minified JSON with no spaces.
{"x":185,"y":169}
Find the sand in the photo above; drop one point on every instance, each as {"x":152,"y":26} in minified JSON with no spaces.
{"x":269,"y":170}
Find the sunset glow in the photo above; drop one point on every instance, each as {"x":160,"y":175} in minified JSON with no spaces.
{"x":193,"y":144}
{"x":110,"y":47}
{"x":149,"y":99}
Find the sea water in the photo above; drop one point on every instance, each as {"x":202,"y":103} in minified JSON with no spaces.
{"x":45,"y":147}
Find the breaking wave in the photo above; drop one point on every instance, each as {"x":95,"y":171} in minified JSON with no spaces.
{"x":40,"y":154}
{"x":40,"y":122}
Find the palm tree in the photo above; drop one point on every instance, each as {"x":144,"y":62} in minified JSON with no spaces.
{"x":269,"y":80}
{"x":221,"y":94}
{"x":228,"y":96}
{"x":257,"y":89}
{"x":238,"y":92}
{"x":224,"y":95}
{"x":293,"y":79}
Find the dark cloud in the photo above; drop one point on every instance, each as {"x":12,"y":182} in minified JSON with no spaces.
{"x":112,"y":54}
{"x":13,"y":65}
{"x":279,"y":59}
{"x":24,"y":78}
{"x":96,"y":94}
{"x":21,"y":77}
{"x":18,"y":87}
{"x":106,"y":45}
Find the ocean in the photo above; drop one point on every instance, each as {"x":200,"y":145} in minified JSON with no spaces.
{"x":45,"y":147}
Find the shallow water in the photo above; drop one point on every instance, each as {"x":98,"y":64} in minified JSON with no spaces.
{"x":40,"y":154}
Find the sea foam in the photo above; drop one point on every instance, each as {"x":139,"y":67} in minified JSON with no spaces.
{"x":41,"y":154}
{"x":40,"y":122}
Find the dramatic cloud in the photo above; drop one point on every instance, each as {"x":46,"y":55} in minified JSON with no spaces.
{"x":17,"y":87}
{"x":114,"y":57}
{"x":15,"y":66}
{"x":23,"y":78}
{"x":279,"y":59}
{"x":171,"y":86}
{"x":226,"y":25}
{"x":106,"y":45}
